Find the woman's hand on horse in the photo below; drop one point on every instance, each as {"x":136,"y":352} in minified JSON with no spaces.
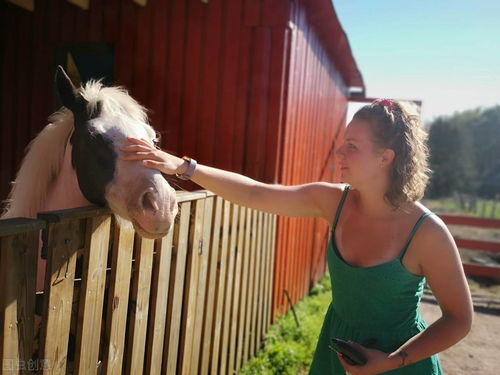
{"x":152,"y":157}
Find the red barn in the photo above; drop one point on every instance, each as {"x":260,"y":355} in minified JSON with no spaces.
{"x":259,"y":87}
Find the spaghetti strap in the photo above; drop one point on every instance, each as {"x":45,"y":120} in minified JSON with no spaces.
{"x":339,"y":208}
{"x":413,"y":231}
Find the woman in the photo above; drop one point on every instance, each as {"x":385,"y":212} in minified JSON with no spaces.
{"x":384,"y":246}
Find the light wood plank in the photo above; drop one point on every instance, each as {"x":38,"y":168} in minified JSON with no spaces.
{"x":117,"y":309}
{"x":92,"y":295}
{"x":272,"y":256}
{"x":236,"y":312}
{"x":63,"y":241}
{"x":267,"y":286}
{"x":247,"y":349}
{"x":228,"y":303}
{"x":139,"y":305}
{"x":255,"y":287}
{"x":159,"y":303}
{"x":258,"y":286}
{"x":244,"y":290}
{"x":265,"y":276}
{"x":261,"y":268}
{"x":190,"y":196}
{"x":188,"y":346}
{"x":221,"y":286}
{"x":267,"y":271}
{"x":202,"y":285}
{"x":265,"y":293}
{"x":209,"y":318}
{"x":177,"y":276}
{"x":18,"y":266}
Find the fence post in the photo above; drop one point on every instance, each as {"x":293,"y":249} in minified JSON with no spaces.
{"x":117,"y":309}
{"x":64,"y":237}
{"x":18,"y":261}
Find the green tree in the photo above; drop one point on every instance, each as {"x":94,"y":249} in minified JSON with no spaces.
{"x":465,"y":153}
{"x":487,"y":146}
{"x":452,"y":158}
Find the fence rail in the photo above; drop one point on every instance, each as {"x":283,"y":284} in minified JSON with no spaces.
{"x":490,"y":246}
{"x":197,"y":301}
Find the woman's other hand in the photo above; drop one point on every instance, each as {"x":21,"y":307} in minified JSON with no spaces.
{"x":377,"y":361}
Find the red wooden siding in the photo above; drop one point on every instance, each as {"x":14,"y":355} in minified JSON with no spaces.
{"x":228,"y":82}
{"x":316,"y":110}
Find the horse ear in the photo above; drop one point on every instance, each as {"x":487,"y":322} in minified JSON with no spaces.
{"x":65,"y":88}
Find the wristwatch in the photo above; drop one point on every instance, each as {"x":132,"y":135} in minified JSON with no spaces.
{"x":190,"y":169}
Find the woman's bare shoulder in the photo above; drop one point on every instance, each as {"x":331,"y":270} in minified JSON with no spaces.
{"x":433,"y":237}
{"x":432,"y":225}
{"x":327,"y":197}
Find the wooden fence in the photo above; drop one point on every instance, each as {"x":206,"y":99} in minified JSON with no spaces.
{"x":197,"y":301}
{"x":474,"y":269}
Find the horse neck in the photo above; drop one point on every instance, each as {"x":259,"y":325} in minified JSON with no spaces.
{"x":64,"y":192}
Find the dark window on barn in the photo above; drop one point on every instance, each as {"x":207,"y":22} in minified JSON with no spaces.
{"x":84,"y":61}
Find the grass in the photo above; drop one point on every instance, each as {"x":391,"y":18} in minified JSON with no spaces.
{"x":483,"y":207}
{"x":288,"y":349}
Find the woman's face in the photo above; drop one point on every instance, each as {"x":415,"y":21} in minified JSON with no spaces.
{"x":361,"y":160}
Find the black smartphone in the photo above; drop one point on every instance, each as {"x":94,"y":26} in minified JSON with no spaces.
{"x":351,"y":355}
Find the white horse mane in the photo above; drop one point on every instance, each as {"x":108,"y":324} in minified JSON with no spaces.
{"x":45,"y":153}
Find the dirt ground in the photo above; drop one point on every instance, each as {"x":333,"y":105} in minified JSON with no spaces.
{"x":479,"y":352}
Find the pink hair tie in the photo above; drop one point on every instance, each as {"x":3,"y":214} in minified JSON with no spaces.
{"x":386,"y":103}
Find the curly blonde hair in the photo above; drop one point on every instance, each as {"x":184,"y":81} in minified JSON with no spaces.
{"x":397,"y":126}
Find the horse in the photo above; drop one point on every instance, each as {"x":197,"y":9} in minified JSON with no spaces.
{"x":76,"y":161}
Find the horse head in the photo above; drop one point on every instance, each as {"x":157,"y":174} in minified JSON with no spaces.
{"x":103,"y":119}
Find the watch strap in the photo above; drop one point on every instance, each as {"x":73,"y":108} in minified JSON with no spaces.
{"x":190,"y":169}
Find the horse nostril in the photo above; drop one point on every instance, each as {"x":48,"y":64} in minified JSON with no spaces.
{"x":148,"y":202}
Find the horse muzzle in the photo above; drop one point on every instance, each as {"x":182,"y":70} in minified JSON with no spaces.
{"x":154,"y":214}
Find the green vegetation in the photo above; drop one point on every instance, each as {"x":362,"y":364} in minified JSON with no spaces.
{"x":289,"y":349}
{"x":478,"y":207}
{"x":465,"y":155}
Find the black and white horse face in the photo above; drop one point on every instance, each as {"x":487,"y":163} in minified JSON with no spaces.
{"x":103,"y":118}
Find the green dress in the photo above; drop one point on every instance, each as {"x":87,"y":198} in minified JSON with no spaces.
{"x":375,"y":306}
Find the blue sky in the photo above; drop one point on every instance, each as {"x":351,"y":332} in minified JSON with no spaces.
{"x":443,"y":52}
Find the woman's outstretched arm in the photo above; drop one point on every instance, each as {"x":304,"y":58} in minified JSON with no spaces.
{"x":317,"y":199}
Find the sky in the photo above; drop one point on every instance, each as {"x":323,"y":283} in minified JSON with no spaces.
{"x":443,"y":52}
